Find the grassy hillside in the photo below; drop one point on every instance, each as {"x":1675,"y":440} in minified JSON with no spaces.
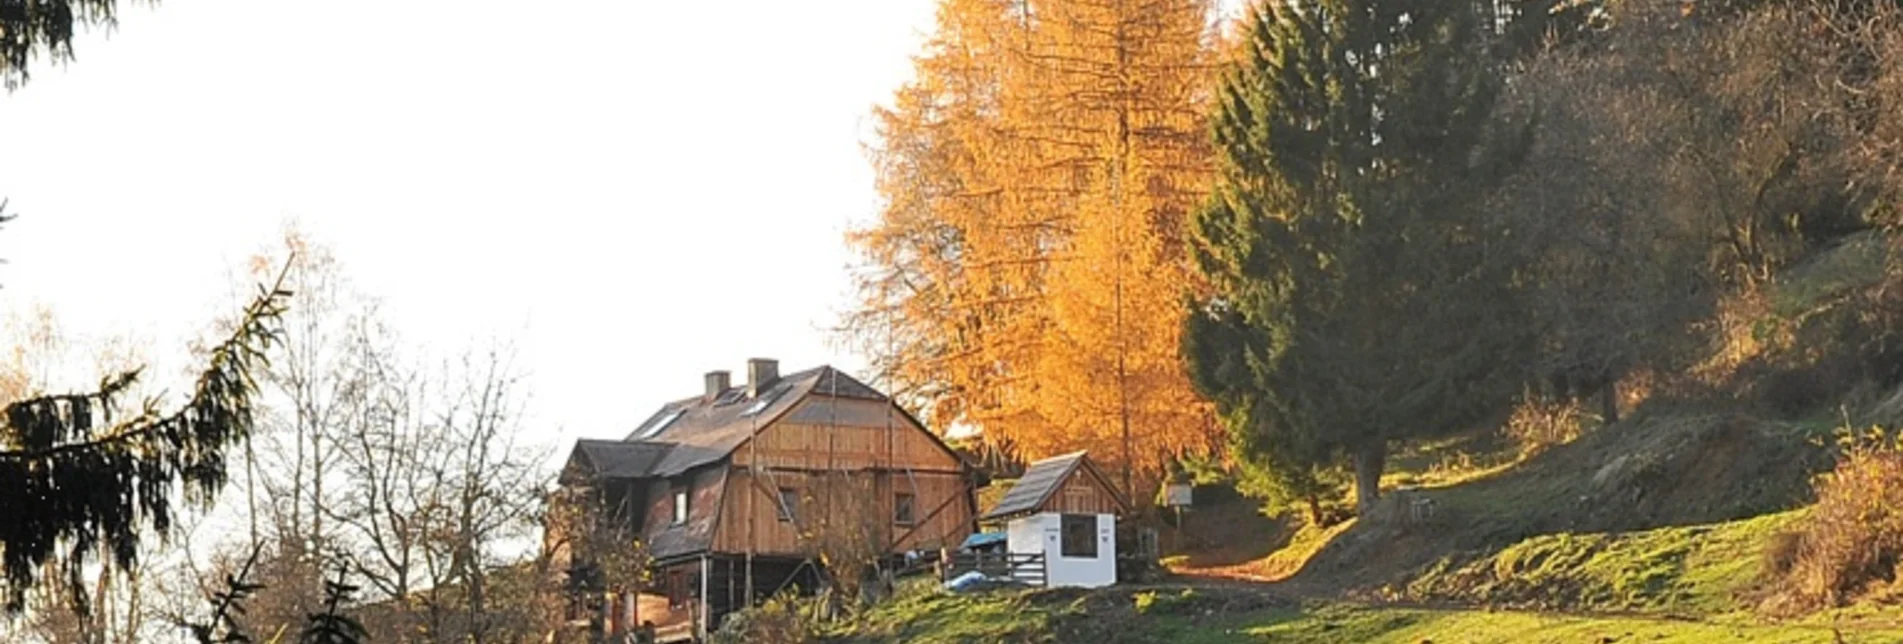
{"x":1684,"y":571}
{"x":1653,"y":528}
{"x":1183,"y":615}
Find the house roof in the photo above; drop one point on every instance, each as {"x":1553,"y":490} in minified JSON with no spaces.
{"x":616,"y":459}
{"x":686,"y":435}
{"x":707,"y":431}
{"x":1041,"y":480}
{"x":692,"y":432}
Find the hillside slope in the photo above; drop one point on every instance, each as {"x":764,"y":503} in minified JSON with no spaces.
{"x":1653,"y":528}
{"x":1211,"y":615}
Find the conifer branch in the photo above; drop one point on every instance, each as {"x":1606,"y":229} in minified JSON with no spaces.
{"x":85,"y":482}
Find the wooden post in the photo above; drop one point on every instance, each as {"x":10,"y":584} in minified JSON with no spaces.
{"x":706,"y":626}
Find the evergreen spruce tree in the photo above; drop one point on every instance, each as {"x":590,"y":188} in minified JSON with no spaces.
{"x":333,"y":626}
{"x":44,"y":28}
{"x":1360,"y":295}
{"x":80,"y":484}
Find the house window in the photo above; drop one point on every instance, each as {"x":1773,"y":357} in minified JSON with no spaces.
{"x":680,"y":504}
{"x":1079,"y":536}
{"x":789,"y":504}
{"x":902,"y":509}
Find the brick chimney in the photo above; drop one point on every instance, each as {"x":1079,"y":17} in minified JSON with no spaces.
{"x":761,"y":372}
{"x":717,"y":382}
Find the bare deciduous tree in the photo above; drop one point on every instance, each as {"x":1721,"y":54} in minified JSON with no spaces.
{"x":437,"y":486}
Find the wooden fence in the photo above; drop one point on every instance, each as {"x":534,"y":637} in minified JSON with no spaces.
{"x":1025,"y":568}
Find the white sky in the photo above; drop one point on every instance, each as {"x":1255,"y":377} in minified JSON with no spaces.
{"x":632,"y":192}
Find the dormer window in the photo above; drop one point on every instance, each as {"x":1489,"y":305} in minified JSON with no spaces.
{"x":680,"y":504}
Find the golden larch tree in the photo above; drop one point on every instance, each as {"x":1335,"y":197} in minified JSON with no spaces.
{"x":1027,"y":271}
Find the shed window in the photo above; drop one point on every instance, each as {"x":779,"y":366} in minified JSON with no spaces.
{"x":1079,"y":536}
{"x":789,"y":504}
{"x":902,"y":509}
{"x":680,"y":504}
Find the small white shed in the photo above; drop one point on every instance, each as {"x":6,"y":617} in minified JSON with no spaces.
{"x":1064,"y":510}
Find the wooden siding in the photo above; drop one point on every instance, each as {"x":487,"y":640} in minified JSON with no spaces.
{"x":825,"y":433}
{"x":751,"y":522}
{"x":1083,"y":493}
{"x":948,"y":495}
{"x":669,"y":623}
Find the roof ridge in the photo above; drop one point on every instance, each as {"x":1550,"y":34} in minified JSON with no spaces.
{"x":696,"y":399}
{"x":1069,"y":454}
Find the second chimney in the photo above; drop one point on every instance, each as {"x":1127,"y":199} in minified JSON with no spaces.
{"x":761,"y":372}
{"x":717,"y":382}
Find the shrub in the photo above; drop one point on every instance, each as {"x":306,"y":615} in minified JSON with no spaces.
{"x":1780,"y":555}
{"x":779,"y":620}
{"x":1539,"y":423}
{"x":1151,"y":602}
{"x":1852,"y":541}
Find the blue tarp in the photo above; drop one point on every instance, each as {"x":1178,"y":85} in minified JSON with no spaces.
{"x":982,"y":539}
{"x":965,"y":581}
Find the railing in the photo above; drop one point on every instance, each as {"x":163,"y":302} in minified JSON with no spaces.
{"x":1026,"y":568}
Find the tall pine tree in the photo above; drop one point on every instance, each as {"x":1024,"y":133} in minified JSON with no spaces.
{"x":1360,"y":295}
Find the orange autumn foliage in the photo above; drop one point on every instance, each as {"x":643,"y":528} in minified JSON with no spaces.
{"x":1027,"y":272}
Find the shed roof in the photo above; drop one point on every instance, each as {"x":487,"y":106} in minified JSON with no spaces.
{"x":1041,"y":480}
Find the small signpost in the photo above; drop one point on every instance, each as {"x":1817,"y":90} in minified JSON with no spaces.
{"x":1178,"y":494}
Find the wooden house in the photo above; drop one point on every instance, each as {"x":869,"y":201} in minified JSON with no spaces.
{"x":1061,"y":516}
{"x":733,"y":492}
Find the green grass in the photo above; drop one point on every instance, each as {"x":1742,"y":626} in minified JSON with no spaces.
{"x":929,"y":616}
{"x":1289,"y":560}
{"x":1857,"y":262}
{"x":1212,"y":616}
{"x":1345,"y":624}
{"x":1696,"y":569}
{"x":1450,"y":460}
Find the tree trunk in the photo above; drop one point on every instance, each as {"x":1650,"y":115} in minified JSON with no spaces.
{"x":1369,"y":462}
{"x":1315,"y":516}
{"x":1609,"y":402}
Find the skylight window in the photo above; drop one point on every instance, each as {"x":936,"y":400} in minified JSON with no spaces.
{"x":766,"y":400}
{"x":731,"y":396}
{"x":659,"y":424}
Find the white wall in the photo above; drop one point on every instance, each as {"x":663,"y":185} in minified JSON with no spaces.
{"x":1042,"y":534}
{"x":1025,"y":535}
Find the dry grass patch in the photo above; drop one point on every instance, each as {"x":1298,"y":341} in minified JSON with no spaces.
{"x":1850,"y":545}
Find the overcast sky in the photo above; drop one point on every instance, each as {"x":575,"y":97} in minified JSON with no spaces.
{"x":632,"y":192}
